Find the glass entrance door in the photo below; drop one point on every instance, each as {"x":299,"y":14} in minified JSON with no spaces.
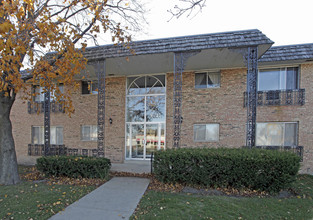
{"x":145,"y":116}
{"x":152,"y":138}
{"x":137,"y":141}
{"x":143,"y":139}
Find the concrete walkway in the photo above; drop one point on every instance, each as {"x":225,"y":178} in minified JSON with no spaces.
{"x":132,"y":166}
{"x":116,"y":199}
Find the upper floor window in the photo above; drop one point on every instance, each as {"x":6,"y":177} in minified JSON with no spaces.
{"x":207,"y":80}
{"x":40,"y":95}
{"x":276,"y":134}
{"x":278,"y":79}
{"x":56,"y":135}
{"x":89,"y":87}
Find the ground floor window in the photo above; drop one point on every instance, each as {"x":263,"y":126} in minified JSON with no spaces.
{"x":206,"y":132}
{"x":277,"y":134}
{"x":89,"y":132}
{"x":56,"y":135}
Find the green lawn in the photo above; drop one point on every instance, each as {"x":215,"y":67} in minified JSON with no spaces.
{"x":29,"y":200}
{"x":161,"y":205}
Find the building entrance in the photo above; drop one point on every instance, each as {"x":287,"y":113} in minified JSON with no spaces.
{"x":145,"y":116}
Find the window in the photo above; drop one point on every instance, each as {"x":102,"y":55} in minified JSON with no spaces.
{"x":56,"y":135}
{"x":276,"y":134}
{"x":278,"y":79}
{"x":89,"y":132}
{"x":40,"y":96}
{"x":206,"y":132}
{"x":154,"y":84}
{"x":207,"y":80}
{"x":89,"y":87}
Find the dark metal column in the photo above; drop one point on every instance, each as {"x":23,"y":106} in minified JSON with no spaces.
{"x":252,"y":73}
{"x":47,"y":122}
{"x":180,"y":59}
{"x":100,"y":70}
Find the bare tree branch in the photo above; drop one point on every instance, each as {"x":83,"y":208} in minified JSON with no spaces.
{"x":188,"y":7}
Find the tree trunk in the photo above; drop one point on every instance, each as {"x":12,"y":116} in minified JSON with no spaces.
{"x":8,"y":162}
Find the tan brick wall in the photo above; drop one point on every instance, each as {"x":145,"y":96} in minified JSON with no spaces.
{"x":224,"y":106}
{"x":115,"y":108}
{"x":85,"y":114}
{"x":306,"y":118}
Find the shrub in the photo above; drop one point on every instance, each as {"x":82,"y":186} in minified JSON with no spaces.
{"x":256,"y":169}
{"x":74,"y":166}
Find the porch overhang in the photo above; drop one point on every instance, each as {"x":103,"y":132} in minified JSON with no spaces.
{"x":214,"y":51}
{"x":218,"y":58}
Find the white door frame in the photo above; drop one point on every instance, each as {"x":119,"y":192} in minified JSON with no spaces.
{"x":144,"y":123}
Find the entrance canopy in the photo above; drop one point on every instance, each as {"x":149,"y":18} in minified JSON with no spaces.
{"x":212,"y":51}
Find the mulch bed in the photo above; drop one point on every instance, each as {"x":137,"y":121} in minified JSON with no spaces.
{"x":32,"y":174}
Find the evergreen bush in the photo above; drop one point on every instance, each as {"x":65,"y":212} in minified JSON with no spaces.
{"x":74,"y":166}
{"x":256,"y":169}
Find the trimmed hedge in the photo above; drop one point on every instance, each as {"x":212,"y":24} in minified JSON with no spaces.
{"x":74,"y":166}
{"x":256,"y":169}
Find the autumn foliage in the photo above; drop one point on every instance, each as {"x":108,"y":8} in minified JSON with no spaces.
{"x":31,"y":28}
{"x":42,"y":44}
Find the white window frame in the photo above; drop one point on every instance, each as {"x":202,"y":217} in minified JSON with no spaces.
{"x":144,"y":122}
{"x":91,"y":128}
{"x":41,"y":135}
{"x":207,"y":139}
{"x":284,"y":123}
{"x":282,"y":77}
{"x":207,"y":83}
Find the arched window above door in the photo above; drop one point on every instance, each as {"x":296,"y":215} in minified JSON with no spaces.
{"x":146,"y":85}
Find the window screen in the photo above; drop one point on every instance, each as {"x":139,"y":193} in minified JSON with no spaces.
{"x":207,"y":80}
{"x":278,"y":79}
{"x":56,"y":135}
{"x":276,"y":134}
{"x":89,"y":132}
{"x":206,"y":132}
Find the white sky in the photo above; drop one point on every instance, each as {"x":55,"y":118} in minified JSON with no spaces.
{"x":283,"y":21}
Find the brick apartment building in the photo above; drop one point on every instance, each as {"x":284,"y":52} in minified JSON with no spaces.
{"x":180,"y":92}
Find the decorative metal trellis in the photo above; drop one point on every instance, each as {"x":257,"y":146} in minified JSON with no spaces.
{"x":100,"y":70}
{"x":180,"y":59}
{"x":251,"y":58}
{"x":57,"y":149}
{"x":39,"y":107}
{"x":47,"y":122}
{"x":279,"y":97}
